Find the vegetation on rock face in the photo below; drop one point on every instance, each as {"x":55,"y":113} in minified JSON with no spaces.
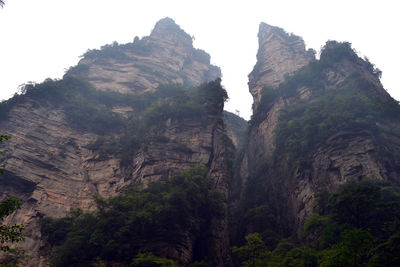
{"x":308,"y":124}
{"x":116,"y":51}
{"x":311,"y":76}
{"x":142,"y":226}
{"x":356,"y":226}
{"x":150,"y":260}
{"x":88,"y":109}
{"x":354,"y":105}
{"x":126,"y":228}
{"x":259,"y":212}
{"x":13,"y":233}
{"x":9,"y":234}
{"x":303,"y":126}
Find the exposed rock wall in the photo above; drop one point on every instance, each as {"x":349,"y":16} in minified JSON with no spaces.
{"x":236,"y":128}
{"x":279,"y":54}
{"x":166,"y":56}
{"x":345,"y":156}
{"x":49,"y":167}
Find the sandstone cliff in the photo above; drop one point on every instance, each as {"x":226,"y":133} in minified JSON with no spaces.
{"x":299,"y":144}
{"x":52,"y":168}
{"x":166,"y":56}
{"x":279,"y":54}
{"x":236,"y":128}
{"x":135,"y":113}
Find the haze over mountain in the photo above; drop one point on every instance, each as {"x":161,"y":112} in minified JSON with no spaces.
{"x":35,"y":49}
{"x":130,"y":160}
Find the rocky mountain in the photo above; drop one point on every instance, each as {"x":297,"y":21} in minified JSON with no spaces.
{"x":116,"y":119}
{"x":279,"y":54}
{"x":317,"y":124}
{"x":166,"y":56}
{"x":236,"y":128}
{"x":131,"y":160}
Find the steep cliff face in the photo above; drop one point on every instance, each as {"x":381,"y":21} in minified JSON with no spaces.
{"x":236,"y":128}
{"x":51,"y":164}
{"x":279,"y":54}
{"x":346,"y":156}
{"x":166,"y":56}
{"x":317,"y":124}
{"x":347,"y":152}
{"x":128,"y":115}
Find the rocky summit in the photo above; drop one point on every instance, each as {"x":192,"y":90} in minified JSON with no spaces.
{"x":130,"y":160}
{"x":166,"y":56}
{"x":51,"y":165}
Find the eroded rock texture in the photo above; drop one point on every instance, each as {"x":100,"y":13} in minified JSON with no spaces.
{"x":236,"y":128}
{"x":344,"y":156}
{"x":50,"y":168}
{"x":166,"y":56}
{"x":279,"y":54}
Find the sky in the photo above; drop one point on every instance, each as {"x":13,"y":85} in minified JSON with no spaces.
{"x":41,"y":39}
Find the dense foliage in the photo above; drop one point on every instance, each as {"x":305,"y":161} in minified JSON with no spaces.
{"x":312,"y":76}
{"x":119,"y":51}
{"x":306,"y":125}
{"x":356,"y":226}
{"x":355,"y":105}
{"x":9,"y":234}
{"x":126,"y":228}
{"x":138,"y":47}
{"x":88,"y":109}
{"x":260,"y":212}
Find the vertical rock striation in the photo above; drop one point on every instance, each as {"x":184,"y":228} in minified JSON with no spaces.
{"x":279,"y":54}
{"x":236,"y":128}
{"x":292,"y":79}
{"x":166,"y":56}
{"x":50,"y":167}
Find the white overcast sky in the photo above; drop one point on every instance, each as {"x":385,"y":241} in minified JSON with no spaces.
{"x":43,"y":38}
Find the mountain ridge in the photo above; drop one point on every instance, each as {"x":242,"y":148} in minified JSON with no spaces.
{"x":290,"y":176}
{"x":73,"y":140}
{"x":167,"y":52}
{"x":148,"y":116}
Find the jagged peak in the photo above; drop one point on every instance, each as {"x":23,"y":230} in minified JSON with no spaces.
{"x":279,"y":54}
{"x":167,"y":29}
{"x":167,"y":21}
{"x":267,"y":28}
{"x":267,"y":31}
{"x":334,"y":51}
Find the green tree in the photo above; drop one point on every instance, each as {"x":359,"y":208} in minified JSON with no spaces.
{"x":150,"y":260}
{"x":126,"y":228}
{"x":254,"y":253}
{"x":13,"y":233}
{"x":336,"y":256}
{"x":387,"y":253}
